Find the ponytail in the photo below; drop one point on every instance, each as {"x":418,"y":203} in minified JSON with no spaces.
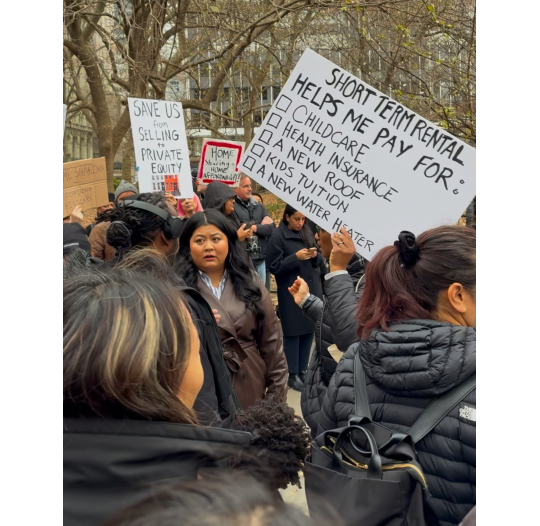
{"x":403,"y":281}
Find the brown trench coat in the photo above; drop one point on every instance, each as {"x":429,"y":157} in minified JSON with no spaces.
{"x":253,"y":350}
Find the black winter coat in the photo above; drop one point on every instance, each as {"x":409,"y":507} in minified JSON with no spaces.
{"x":406,"y":368}
{"x":253,"y":211}
{"x":112,"y":464}
{"x":216,"y":400}
{"x":335,"y":325}
{"x":286,"y":267}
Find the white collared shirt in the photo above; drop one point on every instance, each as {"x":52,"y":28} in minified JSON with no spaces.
{"x":216,"y":291}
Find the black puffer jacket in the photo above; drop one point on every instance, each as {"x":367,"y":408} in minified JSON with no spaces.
{"x":406,"y":368}
{"x":335,"y":325}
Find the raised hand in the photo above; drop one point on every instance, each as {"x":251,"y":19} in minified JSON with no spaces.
{"x":299,"y":290}
{"x":76,"y":215}
{"x":343,"y":249}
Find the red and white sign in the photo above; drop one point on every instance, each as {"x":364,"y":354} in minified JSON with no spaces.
{"x":219,"y":161}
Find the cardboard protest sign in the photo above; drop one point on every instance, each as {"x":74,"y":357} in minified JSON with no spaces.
{"x":161,"y":150}
{"x":345,"y":154}
{"x":219,"y":161}
{"x":85,"y":184}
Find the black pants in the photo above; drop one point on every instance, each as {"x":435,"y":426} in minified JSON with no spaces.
{"x":297,"y":349}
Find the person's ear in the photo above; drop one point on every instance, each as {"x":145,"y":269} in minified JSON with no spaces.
{"x":456,"y":297}
{"x":165,"y":240}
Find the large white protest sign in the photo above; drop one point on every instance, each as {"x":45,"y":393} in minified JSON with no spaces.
{"x":345,"y":154}
{"x":219,"y":161}
{"x":161,"y":151}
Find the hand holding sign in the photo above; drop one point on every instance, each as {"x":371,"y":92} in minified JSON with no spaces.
{"x":76,"y":215}
{"x":343,"y":250}
{"x":345,"y":154}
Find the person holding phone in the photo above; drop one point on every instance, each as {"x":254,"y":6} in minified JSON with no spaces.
{"x":291,"y":253}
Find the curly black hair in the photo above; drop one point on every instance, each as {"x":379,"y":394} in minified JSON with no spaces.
{"x":131,"y":227}
{"x":281,"y":442}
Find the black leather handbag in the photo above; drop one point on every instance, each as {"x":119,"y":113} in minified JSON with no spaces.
{"x":370,"y":474}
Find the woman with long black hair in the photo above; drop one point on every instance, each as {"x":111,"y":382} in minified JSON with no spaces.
{"x":212,"y":261}
{"x":291,"y":253}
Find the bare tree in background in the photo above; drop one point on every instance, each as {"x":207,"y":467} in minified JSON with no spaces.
{"x":115,"y":49}
{"x":423,"y":54}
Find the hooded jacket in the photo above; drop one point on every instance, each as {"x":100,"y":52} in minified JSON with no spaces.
{"x":406,"y":369}
{"x":112,"y":464}
{"x":217,"y":194}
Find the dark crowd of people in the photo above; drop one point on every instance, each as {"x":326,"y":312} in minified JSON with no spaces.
{"x":177,"y":365}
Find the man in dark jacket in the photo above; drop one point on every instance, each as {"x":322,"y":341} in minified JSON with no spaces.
{"x":250,"y":211}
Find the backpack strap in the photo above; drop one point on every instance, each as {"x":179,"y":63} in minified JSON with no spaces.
{"x":439,"y":408}
{"x":361,"y":402}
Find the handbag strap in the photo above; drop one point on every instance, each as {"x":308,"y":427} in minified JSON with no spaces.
{"x":439,"y":408}
{"x":361,"y":403}
{"x":359,"y":283}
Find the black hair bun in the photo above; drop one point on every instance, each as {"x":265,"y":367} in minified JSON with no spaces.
{"x":119,"y":235}
{"x":408,"y":249}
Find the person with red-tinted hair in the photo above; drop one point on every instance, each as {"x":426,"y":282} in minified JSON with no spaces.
{"x":417,"y":340}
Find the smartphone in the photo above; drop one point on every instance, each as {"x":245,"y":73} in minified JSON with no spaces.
{"x":247,"y":226}
{"x":313,"y":249}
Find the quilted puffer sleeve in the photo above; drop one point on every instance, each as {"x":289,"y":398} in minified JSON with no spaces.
{"x":313,"y":308}
{"x":342,"y":303}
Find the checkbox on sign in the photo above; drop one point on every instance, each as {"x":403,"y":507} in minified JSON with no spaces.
{"x":257,"y":150}
{"x":266,"y":136}
{"x":283,"y":103}
{"x":249,"y":163}
{"x":274,"y":120}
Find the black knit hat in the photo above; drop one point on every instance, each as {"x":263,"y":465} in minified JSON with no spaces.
{"x":75,"y":237}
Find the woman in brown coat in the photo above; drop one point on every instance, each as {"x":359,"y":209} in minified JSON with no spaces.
{"x":212,"y":260}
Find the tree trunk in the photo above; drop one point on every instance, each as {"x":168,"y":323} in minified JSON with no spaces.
{"x":127,"y":158}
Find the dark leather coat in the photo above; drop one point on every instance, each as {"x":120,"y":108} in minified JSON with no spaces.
{"x":252,"y":347}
